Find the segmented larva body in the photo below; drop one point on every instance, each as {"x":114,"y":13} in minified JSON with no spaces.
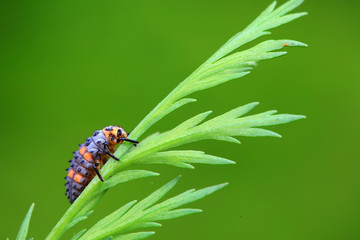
{"x":90,"y":157}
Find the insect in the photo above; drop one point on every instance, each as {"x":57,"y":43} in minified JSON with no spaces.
{"x":90,"y":157}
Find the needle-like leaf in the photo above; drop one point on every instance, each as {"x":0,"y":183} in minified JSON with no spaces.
{"x":25,"y":224}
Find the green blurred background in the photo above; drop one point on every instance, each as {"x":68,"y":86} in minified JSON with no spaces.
{"x":68,"y":68}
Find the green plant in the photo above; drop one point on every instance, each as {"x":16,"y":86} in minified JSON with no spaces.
{"x":221,"y":67}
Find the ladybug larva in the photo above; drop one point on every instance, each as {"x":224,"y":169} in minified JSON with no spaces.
{"x":91,"y":155}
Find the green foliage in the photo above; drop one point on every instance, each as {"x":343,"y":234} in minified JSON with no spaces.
{"x":144,"y":214}
{"x":25,"y":224}
{"x":133,"y":236}
{"x":223,"y":66}
{"x":268,"y":19}
{"x":222,"y":128}
{"x":125,"y":176}
{"x":183,"y":158}
{"x":76,"y":236}
{"x":120,"y":177}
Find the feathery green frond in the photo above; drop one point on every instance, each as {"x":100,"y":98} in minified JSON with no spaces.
{"x":183,"y":158}
{"x":25,"y":224}
{"x":268,"y":19}
{"x":143,"y":214}
{"x":120,"y":177}
{"x":126,"y":176}
{"x":226,"y":64}
{"x":237,"y":65}
{"x":220,"y":68}
{"x":116,"y":215}
{"x":222,"y":127}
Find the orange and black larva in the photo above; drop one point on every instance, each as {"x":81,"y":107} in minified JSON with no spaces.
{"x":91,"y":155}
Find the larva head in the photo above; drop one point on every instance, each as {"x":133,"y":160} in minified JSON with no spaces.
{"x":115,"y":134}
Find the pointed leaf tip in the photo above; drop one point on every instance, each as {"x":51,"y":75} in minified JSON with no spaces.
{"x":133,"y":236}
{"x":298,"y":117}
{"x":301,"y":116}
{"x":25,"y":224}
{"x":292,"y":43}
{"x":223,"y":184}
{"x":214,"y":188}
{"x":251,"y":105}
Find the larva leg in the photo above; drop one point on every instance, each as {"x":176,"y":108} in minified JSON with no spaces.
{"x":97,"y":171}
{"x":110,"y":154}
{"x":129,"y":140}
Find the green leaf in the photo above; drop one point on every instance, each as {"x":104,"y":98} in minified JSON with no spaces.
{"x":235,"y":113}
{"x":144,"y":225}
{"x":25,"y":224}
{"x":107,"y":227}
{"x":133,"y":236}
{"x":121,"y":177}
{"x":179,"y":104}
{"x":87,"y":209}
{"x":146,"y":212}
{"x":78,"y":219}
{"x":115,"y":215}
{"x":126,"y":176}
{"x":76,"y":236}
{"x":176,"y":213}
{"x":223,"y":127}
{"x":182,"y":199}
{"x":182,"y":158}
{"x":190,"y":123}
{"x":268,"y":19}
{"x":152,"y":198}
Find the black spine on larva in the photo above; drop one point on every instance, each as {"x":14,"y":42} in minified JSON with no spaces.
{"x":79,"y":165}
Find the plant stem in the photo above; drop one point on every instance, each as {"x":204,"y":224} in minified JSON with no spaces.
{"x":270,"y":18}
{"x":112,"y":166}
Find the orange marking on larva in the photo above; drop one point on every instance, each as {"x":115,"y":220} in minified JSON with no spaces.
{"x":114,"y":131}
{"x":78,"y":178}
{"x":71,"y":173}
{"x":83,"y":150}
{"x":88,"y":156}
{"x":106,"y":132}
{"x":286,"y":44}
